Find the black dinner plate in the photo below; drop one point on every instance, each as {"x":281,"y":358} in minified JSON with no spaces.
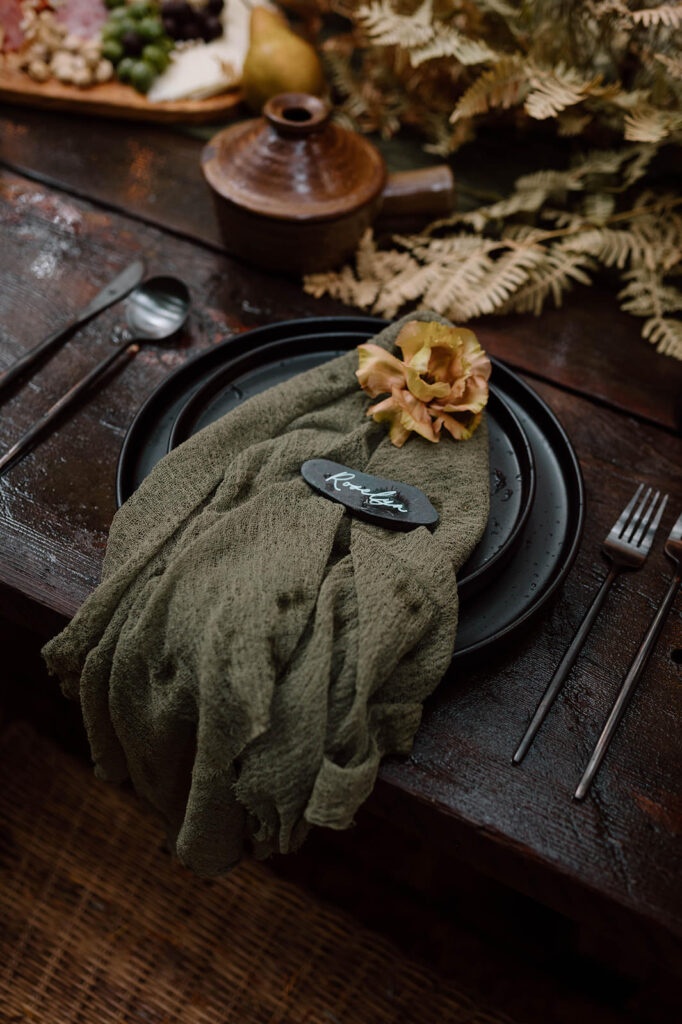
{"x":528,"y":445}
{"x":264,"y":366}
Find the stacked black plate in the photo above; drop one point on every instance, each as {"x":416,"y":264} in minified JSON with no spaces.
{"x":536,"y":490}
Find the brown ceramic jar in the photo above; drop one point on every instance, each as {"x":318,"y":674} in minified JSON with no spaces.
{"x":293,"y":191}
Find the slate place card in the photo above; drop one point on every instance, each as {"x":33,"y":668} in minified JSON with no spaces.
{"x":387,"y":502}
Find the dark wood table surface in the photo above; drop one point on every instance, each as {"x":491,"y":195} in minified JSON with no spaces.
{"x":78,"y":200}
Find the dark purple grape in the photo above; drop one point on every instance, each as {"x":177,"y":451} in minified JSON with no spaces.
{"x":213,"y":29}
{"x":176,"y":9}
{"x":215,"y":6}
{"x":170,"y":26}
{"x":191,"y":29}
{"x":132,"y":44}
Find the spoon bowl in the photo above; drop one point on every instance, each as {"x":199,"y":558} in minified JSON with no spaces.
{"x":157,"y":309}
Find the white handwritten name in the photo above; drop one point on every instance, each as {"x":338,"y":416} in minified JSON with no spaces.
{"x":382,"y":498}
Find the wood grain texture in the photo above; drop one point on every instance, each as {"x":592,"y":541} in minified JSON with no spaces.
{"x":618,"y":855}
{"x":153,"y":174}
{"x":113,"y":99}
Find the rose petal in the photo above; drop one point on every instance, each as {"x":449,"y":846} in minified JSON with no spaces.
{"x":479,"y":363}
{"x":472,"y":397}
{"x":405,"y":410}
{"x":461,"y":430}
{"x":423,"y":391}
{"x":378,"y":370}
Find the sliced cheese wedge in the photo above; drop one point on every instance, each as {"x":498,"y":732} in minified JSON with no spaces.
{"x":208,"y":68}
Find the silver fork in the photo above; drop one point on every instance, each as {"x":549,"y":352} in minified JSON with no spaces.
{"x":626,"y":545}
{"x":673,"y":549}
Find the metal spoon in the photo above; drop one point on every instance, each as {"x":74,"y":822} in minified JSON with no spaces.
{"x":155,"y":311}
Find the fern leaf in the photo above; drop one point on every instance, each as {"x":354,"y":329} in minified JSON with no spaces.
{"x":665,"y":334}
{"x":385,"y":27}
{"x":637,"y":168}
{"x":404,"y":288}
{"x":552,"y":275}
{"x":448,"y":42}
{"x":508,"y":275}
{"x":616,"y":247}
{"x":554,"y":91}
{"x":505,"y":10}
{"x":665,"y":14}
{"x":673,"y":65}
{"x":342,"y":285}
{"x":598,"y":206}
{"x":503,"y":86}
{"x":573,"y":122}
{"x":646,"y":294}
{"x":649,"y":124}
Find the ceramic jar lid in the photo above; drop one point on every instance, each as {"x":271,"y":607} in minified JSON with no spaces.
{"x":294,"y":163}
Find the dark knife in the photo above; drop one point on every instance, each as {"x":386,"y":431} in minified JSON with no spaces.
{"x":116,"y":290}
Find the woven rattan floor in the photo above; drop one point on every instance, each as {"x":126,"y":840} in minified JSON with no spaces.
{"x":98,"y":926}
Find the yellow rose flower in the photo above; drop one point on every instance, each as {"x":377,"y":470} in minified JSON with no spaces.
{"x":441,"y":382}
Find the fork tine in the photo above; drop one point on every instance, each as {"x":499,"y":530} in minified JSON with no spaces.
{"x":676,"y":532}
{"x":645,"y":545}
{"x":636,"y":540}
{"x":619,"y":524}
{"x":632,"y":525}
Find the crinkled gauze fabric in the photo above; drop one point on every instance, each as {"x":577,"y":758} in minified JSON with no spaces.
{"x":253,"y":650}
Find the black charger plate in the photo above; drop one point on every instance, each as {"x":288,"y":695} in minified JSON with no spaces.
{"x":530,"y":542}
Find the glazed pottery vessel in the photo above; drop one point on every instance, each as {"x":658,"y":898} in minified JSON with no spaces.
{"x":294,"y":192}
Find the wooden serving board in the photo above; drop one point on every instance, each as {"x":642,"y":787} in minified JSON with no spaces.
{"x":112,"y":99}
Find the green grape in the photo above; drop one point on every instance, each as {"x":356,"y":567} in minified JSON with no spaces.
{"x":124,"y":69}
{"x":142,"y":76}
{"x":114,"y":3}
{"x":125,"y":25}
{"x":156,"y":56}
{"x":140,"y":9}
{"x":110,"y":30}
{"x":150,"y":29}
{"x":112,"y":50}
{"x":119,"y":14}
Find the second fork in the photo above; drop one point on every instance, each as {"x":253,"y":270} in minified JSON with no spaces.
{"x":627,"y":544}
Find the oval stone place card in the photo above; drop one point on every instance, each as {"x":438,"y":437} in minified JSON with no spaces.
{"x":385,"y":501}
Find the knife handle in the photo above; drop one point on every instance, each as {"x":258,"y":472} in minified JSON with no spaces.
{"x":627,"y":689}
{"x":25,"y":443}
{"x":20,"y":365}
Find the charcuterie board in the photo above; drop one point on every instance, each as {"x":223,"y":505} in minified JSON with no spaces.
{"x":113,"y":99}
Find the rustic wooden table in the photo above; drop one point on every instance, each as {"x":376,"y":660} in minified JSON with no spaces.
{"x":78,"y":200}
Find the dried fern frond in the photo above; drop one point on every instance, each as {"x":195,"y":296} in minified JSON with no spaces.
{"x":449,"y":42}
{"x":572,"y":122}
{"x":493,"y":260}
{"x":385,"y":27}
{"x":503,"y":86}
{"x":666,"y":334}
{"x":645,"y":294}
{"x":673,"y":65}
{"x":552,"y":277}
{"x":647,"y":124}
{"x":552,"y":91}
{"x":665,"y":14}
{"x":554,"y":61}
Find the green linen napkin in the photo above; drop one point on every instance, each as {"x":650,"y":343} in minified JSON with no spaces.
{"x":253,"y":651}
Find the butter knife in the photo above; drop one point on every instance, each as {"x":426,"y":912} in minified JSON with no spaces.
{"x":113,"y":292}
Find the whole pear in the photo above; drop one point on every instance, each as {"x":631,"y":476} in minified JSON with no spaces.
{"x":278,"y":61}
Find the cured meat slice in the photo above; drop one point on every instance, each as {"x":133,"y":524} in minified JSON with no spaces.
{"x":10,"y":21}
{"x":82,"y":18}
